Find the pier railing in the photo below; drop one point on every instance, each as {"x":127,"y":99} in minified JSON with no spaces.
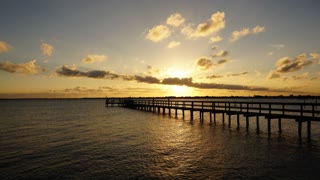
{"x":301,"y":112}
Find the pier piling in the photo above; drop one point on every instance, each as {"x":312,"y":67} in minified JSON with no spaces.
{"x":301,"y":112}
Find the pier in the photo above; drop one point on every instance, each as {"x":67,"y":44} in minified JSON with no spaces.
{"x":251,"y":110}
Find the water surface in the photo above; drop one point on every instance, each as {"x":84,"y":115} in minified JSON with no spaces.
{"x":84,"y":139}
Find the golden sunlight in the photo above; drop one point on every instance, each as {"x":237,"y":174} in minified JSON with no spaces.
{"x":177,"y":90}
{"x":177,"y":73}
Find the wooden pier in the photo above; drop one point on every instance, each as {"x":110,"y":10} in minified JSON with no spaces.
{"x":300,"y":112}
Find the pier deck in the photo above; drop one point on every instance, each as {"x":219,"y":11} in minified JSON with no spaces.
{"x":300,"y":112}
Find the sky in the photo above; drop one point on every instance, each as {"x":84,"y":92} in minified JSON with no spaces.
{"x":139,"y":48}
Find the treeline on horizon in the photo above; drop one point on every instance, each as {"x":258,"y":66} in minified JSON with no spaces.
{"x":180,"y":97}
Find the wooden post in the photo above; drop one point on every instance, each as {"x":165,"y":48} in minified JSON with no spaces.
{"x":258,"y":126}
{"x":238,"y":121}
{"x":223,"y":118}
{"x":299,"y":128}
{"x":210,"y":118}
{"x":214,"y":118}
{"x":191,"y":111}
{"x":247,"y":122}
{"x":183,"y":113}
{"x":269,"y":125}
{"x":229,"y":117}
{"x":279,"y":124}
{"x":309,"y":129}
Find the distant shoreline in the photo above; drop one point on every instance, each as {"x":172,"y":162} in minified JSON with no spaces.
{"x":176,"y":97}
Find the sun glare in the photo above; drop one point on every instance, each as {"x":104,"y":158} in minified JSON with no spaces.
{"x":180,"y":90}
{"x":177,"y":73}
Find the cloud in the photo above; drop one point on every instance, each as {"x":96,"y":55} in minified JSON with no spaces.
{"x":215,"y":39}
{"x":277,"y":46}
{"x":273,"y":75}
{"x":258,"y":29}
{"x":221,"y":53}
{"x":236,"y":35}
{"x":158,"y":33}
{"x":287,"y":65}
{"x":239,"y":34}
{"x":228,"y":75}
{"x":175,"y":20}
{"x":204,"y":63}
{"x":147,"y":79}
{"x":152,"y":70}
{"x":23,"y":68}
{"x":173,"y":44}
{"x":214,"y":76}
{"x":302,"y":76}
{"x":212,"y":25}
{"x":177,"y":81}
{"x":4,"y":47}
{"x":100,"y":74}
{"x":222,"y":61}
{"x":239,"y":74}
{"x":92,"y":58}
{"x":315,"y":55}
{"x":188,"y":82}
{"x":46,"y":49}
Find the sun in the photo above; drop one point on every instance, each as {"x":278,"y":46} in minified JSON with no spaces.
{"x":176,"y":90}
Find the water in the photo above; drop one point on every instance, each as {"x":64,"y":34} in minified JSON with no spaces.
{"x":82,"y":139}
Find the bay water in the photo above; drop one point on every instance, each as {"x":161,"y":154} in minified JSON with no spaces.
{"x":83,"y":139}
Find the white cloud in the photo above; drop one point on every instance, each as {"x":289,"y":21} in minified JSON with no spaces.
{"x":4,"y":47}
{"x":173,"y":44}
{"x":158,"y":33}
{"x":236,"y":35}
{"x":215,"y":39}
{"x":46,"y":49}
{"x":212,"y":25}
{"x":239,"y":34}
{"x":92,"y":58}
{"x":175,"y":20}
{"x":258,"y":29}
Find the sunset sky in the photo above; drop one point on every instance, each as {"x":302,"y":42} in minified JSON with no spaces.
{"x":136,"y":48}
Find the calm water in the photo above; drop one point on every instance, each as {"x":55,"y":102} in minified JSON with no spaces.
{"x":60,"y":139}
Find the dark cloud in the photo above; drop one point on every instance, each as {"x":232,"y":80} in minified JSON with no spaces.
{"x":72,"y":72}
{"x":204,"y":63}
{"x":228,"y":75}
{"x":177,"y":81}
{"x":238,"y":74}
{"x":222,"y":61}
{"x":99,"y":74}
{"x":214,"y":76}
{"x":147,"y":79}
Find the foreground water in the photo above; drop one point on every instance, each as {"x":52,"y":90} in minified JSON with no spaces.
{"x":63,"y":139}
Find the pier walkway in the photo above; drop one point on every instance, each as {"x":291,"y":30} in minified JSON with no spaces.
{"x":300,"y":112}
